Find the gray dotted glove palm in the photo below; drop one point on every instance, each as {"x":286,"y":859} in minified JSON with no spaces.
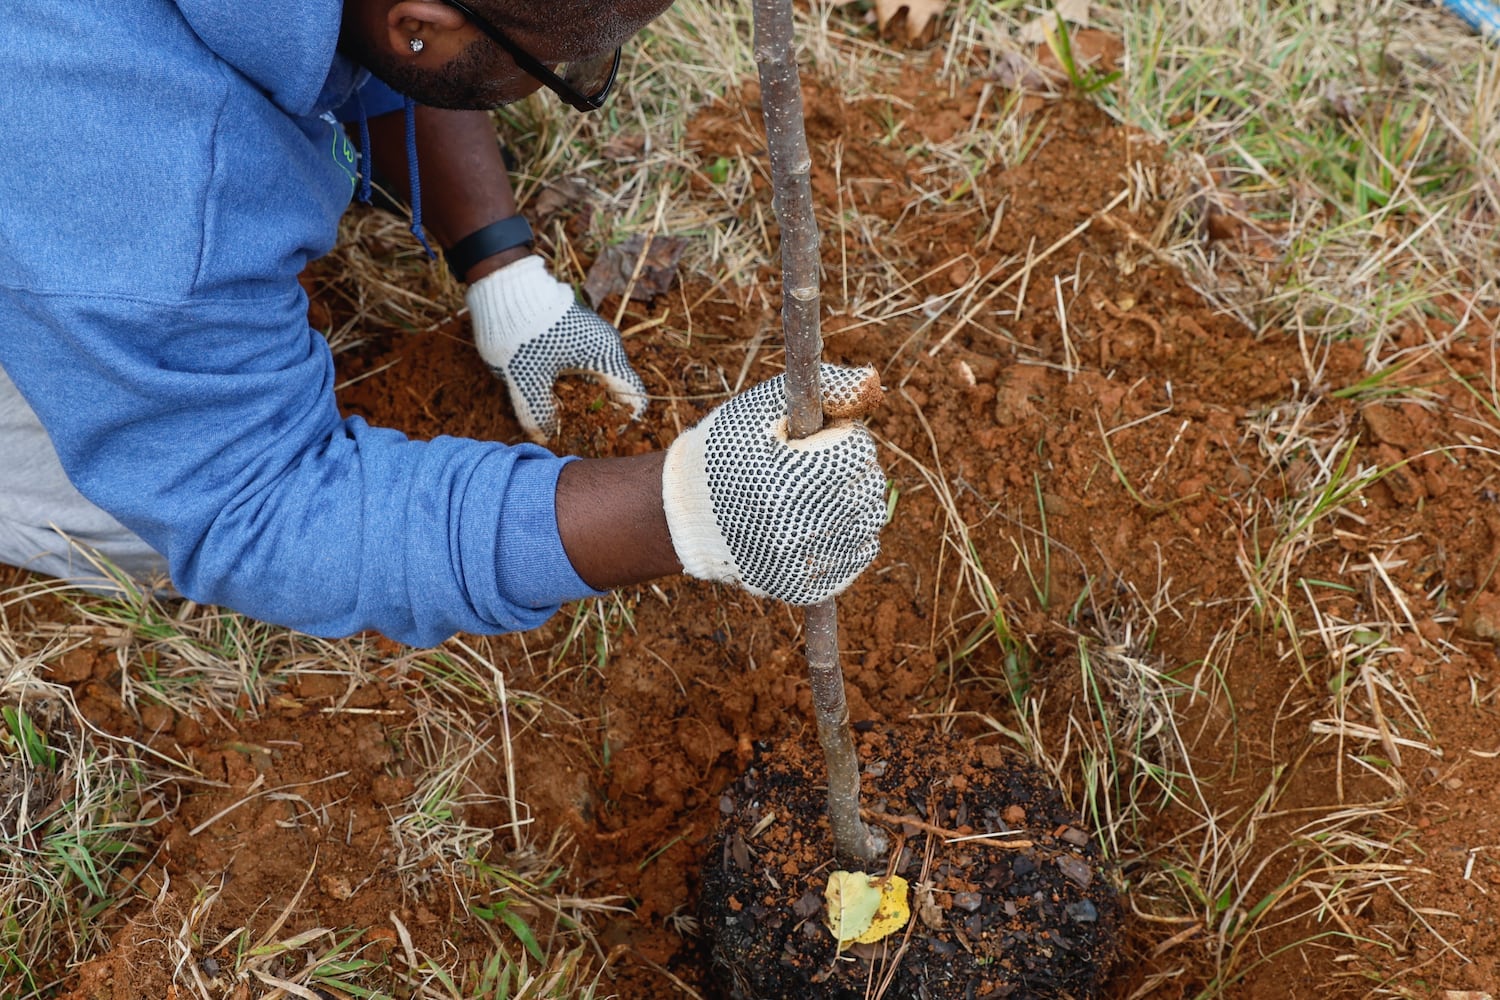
{"x":530,"y":328}
{"x":793,"y":520}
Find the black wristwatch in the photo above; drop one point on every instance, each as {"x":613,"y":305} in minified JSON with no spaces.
{"x":497,"y":237}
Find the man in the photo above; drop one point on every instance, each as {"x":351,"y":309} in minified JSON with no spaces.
{"x":169,"y":170}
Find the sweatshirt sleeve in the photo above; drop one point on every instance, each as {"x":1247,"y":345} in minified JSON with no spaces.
{"x":210,"y":428}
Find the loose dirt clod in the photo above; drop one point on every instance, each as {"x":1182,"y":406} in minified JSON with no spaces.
{"x":1009,"y":910}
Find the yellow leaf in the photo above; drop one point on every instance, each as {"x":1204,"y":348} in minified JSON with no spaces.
{"x":892,"y":913}
{"x":862,"y":910}
{"x":852,"y":903}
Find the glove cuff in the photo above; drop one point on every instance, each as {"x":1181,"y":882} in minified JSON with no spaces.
{"x":520,"y":297}
{"x":689,"y":508}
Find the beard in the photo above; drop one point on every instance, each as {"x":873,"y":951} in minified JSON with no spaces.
{"x":474,"y":80}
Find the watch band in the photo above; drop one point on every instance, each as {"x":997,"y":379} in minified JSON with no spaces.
{"x":497,"y":237}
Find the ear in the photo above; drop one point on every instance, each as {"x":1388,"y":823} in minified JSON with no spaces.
{"x":435,"y":23}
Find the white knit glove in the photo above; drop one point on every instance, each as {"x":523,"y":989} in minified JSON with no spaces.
{"x":793,"y":520}
{"x":530,"y":328}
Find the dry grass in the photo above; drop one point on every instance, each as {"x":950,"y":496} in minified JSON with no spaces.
{"x":77,"y":805}
{"x":76,"y":808}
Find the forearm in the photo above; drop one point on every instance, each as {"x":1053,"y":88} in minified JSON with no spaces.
{"x":465,"y":185}
{"x":211,"y":432}
{"x":610,"y":517}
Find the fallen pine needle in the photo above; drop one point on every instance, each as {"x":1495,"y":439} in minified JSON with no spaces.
{"x":950,"y":836}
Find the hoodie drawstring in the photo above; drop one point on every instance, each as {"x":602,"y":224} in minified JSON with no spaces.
{"x":367,"y":168}
{"x":416,"y":183}
{"x":366,"y":195}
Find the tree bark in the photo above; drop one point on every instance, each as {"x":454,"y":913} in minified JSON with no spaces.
{"x":791,"y":185}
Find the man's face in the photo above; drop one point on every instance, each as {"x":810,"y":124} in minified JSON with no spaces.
{"x":482,"y":75}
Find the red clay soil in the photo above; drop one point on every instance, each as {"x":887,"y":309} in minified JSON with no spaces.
{"x":1009,"y":416}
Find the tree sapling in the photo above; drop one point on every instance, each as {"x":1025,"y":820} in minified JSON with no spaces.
{"x":791,"y":186}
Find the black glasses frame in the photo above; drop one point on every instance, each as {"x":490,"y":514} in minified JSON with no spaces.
{"x":539,"y":72}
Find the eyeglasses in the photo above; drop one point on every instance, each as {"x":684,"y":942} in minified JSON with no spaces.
{"x":583,"y":85}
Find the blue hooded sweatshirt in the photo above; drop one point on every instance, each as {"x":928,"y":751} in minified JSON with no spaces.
{"x":167,"y":170}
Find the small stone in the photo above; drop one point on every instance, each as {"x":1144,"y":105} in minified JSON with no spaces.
{"x":1083,"y":912}
{"x":335,"y":886}
{"x":1075,"y":870}
{"x":967,"y":900}
{"x":808,"y":905}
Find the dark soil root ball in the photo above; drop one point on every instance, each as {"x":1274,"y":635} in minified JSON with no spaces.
{"x":1029,"y":912}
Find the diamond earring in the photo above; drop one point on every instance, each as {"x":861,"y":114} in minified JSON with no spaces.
{"x":416,"y":44}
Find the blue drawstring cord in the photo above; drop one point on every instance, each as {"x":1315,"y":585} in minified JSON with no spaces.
{"x":366,"y":160}
{"x":416,"y":183}
{"x":367,"y":168}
